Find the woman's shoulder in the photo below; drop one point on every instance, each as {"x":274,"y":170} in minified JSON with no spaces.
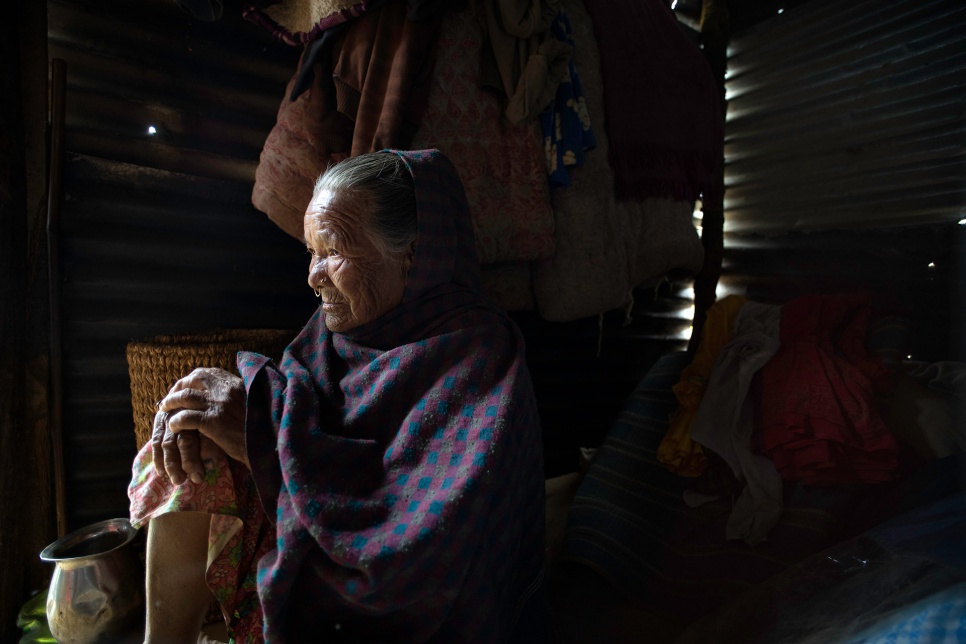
{"x":485,"y":325}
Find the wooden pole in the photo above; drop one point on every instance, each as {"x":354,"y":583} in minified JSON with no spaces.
{"x":715,"y":33}
{"x":58,"y":104}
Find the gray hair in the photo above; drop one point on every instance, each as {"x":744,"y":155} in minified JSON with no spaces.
{"x":383,"y":178}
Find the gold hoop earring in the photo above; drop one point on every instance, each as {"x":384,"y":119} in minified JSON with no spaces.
{"x":318,"y":291}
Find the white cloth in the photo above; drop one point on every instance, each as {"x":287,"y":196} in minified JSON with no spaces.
{"x":724,"y":421}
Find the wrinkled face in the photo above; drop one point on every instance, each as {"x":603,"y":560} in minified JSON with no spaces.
{"x":358,"y":284}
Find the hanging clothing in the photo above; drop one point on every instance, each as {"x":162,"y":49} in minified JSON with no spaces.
{"x":361,"y":87}
{"x":383,"y":74}
{"x":521,"y":60}
{"x":501,"y":166}
{"x":310,"y":134}
{"x":565,"y":123}
{"x":604,"y":248}
{"x":662,"y":110}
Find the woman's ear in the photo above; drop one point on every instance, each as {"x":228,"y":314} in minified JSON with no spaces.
{"x":407,"y":260}
{"x":410,"y":254}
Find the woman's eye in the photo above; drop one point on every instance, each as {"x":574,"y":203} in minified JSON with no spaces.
{"x":333,"y":253}
{"x":310,"y":251}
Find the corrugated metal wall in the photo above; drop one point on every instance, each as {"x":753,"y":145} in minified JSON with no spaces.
{"x":847,"y":114}
{"x":158,"y":232}
{"x":159,"y":235}
{"x":849,"y":118}
{"x":210,"y":89}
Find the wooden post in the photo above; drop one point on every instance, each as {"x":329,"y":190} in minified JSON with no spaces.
{"x":58,"y":90}
{"x":715,"y":33}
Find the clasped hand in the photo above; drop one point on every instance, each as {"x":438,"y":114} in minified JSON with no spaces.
{"x":202,"y":412}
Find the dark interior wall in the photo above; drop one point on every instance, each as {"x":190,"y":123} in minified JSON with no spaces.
{"x":25,"y":509}
{"x":163,"y":253}
{"x":916,"y":273}
{"x":158,"y":234}
{"x":211,"y":89}
{"x":584,"y":370}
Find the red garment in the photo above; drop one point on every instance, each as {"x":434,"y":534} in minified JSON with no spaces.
{"x":662,"y":111}
{"x":383,"y":73}
{"x":819,"y":421}
{"x":368,"y":91}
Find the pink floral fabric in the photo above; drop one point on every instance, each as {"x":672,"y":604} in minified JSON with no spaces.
{"x":238,"y":537}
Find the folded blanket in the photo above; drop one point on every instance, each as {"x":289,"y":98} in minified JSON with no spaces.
{"x":677,"y":452}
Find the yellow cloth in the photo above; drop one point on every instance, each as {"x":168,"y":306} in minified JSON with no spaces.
{"x":677,"y":451}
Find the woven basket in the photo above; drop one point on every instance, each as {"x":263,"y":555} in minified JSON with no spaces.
{"x":156,"y":364}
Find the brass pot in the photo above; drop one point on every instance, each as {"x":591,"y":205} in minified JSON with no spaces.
{"x":97,"y":589}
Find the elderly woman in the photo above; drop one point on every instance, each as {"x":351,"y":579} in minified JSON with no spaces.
{"x":384,"y":481}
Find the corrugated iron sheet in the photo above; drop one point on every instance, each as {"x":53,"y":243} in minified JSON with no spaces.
{"x":210,"y":90}
{"x":159,"y":235}
{"x":847,"y":114}
{"x":846,"y":161}
{"x":148,"y":252}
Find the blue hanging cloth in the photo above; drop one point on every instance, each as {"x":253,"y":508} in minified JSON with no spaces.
{"x":565,"y":123}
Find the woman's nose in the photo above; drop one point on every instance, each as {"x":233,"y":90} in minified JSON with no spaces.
{"x":317,"y":273}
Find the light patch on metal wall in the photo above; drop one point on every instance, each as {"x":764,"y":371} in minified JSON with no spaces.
{"x":846,"y":115}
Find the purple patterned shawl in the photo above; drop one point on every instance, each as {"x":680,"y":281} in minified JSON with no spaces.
{"x":408,"y":480}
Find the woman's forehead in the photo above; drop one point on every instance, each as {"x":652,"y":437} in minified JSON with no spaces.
{"x":335,"y":214}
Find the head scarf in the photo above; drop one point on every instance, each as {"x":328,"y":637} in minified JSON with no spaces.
{"x":402,"y":460}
